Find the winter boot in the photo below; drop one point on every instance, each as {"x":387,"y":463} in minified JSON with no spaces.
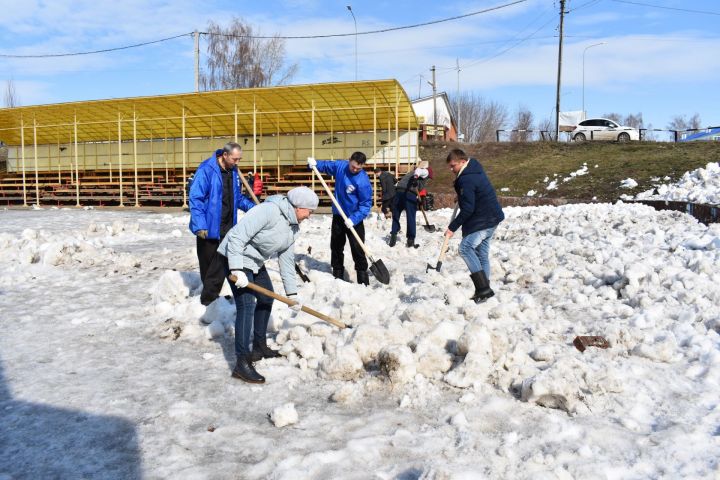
{"x":363,"y":278}
{"x":482,"y":287}
{"x":244,"y":370}
{"x":339,"y":273}
{"x":411,"y":243}
{"x":393,"y":239}
{"x":261,"y":350}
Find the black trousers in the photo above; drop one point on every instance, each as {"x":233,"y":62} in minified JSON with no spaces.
{"x":387,"y":205}
{"x":212,"y":269}
{"x":337,"y":244}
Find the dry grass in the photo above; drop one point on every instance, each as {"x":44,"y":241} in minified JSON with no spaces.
{"x":523,"y":166}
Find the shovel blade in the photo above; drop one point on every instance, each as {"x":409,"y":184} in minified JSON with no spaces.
{"x":380,"y":271}
{"x":430,"y":228}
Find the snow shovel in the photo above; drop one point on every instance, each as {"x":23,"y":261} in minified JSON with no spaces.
{"x":287,"y":301}
{"x":303,"y":277}
{"x":428,"y":227}
{"x":377,"y":267}
{"x":443,"y":249}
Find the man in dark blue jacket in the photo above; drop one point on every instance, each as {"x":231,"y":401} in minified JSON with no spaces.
{"x":353,"y":192}
{"x":214,"y":199}
{"x":479,"y":214}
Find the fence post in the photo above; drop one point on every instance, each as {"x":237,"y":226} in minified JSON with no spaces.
{"x":497,"y":135}
{"x":675,"y":134}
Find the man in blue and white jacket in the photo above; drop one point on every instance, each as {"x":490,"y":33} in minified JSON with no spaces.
{"x":353,"y":192}
{"x":214,"y":199}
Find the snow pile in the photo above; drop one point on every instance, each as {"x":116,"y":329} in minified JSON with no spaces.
{"x":628,"y":183}
{"x":284,"y":415}
{"x":625,"y":272}
{"x":425,"y":384}
{"x":552,"y":184}
{"x":699,"y":186}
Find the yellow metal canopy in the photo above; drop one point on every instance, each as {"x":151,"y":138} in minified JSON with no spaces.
{"x":338,"y":107}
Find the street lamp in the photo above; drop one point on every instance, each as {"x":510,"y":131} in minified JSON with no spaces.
{"x":586,"y":48}
{"x":356,"y":60}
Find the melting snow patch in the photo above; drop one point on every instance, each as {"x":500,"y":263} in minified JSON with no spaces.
{"x":284,"y":415}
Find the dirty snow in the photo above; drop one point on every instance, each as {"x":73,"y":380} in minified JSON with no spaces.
{"x":106,"y":348}
{"x":701,"y":185}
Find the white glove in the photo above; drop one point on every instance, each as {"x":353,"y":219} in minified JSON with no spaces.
{"x":297,"y":308}
{"x":421,"y":172}
{"x":312,"y":163}
{"x":349,"y":223}
{"x":242,"y":280}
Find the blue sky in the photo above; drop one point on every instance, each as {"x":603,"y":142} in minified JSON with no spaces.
{"x":660,"y":62}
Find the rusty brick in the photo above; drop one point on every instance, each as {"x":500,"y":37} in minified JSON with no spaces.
{"x":582,"y":342}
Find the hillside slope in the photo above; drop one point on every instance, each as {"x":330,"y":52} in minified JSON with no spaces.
{"x":522,"y":167}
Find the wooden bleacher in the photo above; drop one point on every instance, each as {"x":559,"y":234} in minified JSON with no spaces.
{"x":102,"y":188}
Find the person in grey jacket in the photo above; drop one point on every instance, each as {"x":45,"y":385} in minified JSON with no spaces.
{"x":387,"y":184}
{"x":266,"y":230}
{"x":410,"y":187}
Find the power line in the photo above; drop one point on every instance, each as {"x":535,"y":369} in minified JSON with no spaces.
{"x":297,"y":37}
{"x":52,"y":55}
{"x":384,"y":30}
{"x":667,"y":8}
{"x":586,"y":4}
{"x":522,"y":40}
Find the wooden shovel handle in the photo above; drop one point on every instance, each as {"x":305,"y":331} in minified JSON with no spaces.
{"x":424,"y":214}
{"x":247,"y":187}
{"x":446,"y":242}
{"x":444,"y":249}
{"x":289,"y":302}
{"x":342,"y":214}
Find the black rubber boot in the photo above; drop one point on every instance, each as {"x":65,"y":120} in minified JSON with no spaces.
{"x":244,"y":370}
{"x":362,"y":277}
{"x":393,"y":239}
{"x":261,"y":350}
{"x":411,"y":243}
{"x":339,"y":273}
{"x":482,"y":287}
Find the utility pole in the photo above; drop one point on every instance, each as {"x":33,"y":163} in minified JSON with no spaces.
{"x":420,"y":87}
{"x":197,"y":60}
{"x":457,"y":99}
{"x":434,"y":100}
{"x":557,"y":94}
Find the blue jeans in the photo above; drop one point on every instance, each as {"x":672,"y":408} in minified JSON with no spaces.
{"x":253,"y":311}
{"x":404,"y":201}
{"x":475,"y":250}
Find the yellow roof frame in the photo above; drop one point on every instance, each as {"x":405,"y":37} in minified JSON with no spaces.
{"x":322,"y":107}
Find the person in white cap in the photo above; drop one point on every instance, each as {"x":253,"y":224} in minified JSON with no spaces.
{"x":266,"y":230}
{"x":409,"y":192}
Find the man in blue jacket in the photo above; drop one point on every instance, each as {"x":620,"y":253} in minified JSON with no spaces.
{"x":479,"y":214}
{"x":214,"y":199}
{"x":353,"y":192}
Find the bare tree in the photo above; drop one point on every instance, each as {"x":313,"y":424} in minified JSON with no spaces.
{"x":237,"y":60}
{"x":10,"y":97}
{"x":547,"y":129}
{"x":634,"y":121}
{"x":678,"y":123}
{"x":694,"y":122}
{"x":523,"y":121}
{"x":615,"y":117}
{"x":479,"y":118}
{"x":649,"y":135}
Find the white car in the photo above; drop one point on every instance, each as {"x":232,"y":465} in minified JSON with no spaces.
{"x":603,"y":129}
